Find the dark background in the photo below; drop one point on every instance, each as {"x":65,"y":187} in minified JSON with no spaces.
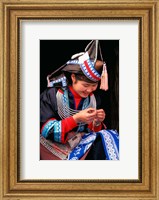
{"x":55,"y":53}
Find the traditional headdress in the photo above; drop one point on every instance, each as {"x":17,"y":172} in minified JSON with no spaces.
{"x":89,"y":63}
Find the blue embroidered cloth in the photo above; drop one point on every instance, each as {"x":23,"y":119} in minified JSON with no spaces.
{"x":110,"y":140}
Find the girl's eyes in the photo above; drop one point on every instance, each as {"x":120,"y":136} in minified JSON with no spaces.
{"x":89,"y":85}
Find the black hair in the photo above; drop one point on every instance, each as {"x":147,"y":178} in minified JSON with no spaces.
{"x":80,"y":77}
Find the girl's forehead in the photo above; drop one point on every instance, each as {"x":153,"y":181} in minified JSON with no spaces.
{"x":85,"y":82}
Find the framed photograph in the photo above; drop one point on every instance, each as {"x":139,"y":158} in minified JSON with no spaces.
{"x":39,"y":37}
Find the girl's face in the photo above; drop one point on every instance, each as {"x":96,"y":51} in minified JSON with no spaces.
{"x":83,"y":88}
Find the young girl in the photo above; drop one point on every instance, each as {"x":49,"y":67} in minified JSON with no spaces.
{"x":70,"y":114}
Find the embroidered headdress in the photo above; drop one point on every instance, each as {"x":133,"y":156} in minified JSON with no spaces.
{"x":89,"y":63}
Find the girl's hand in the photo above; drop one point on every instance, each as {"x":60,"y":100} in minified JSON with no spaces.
{"x":100,"y":116}
{"x":85,"y":116}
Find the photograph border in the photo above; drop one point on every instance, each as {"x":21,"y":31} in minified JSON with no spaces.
{"x":12,"y":14}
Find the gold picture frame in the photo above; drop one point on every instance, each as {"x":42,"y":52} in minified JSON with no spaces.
{"x":147,"y":186}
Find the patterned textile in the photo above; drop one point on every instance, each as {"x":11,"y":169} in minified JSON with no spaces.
{"x":57,"y":131}
{"x":52,"y":126}
{"x":110,"y":140}
{"x":59,"y":80}
{"x":87,"y":67}
{"x":89,"y":70}
{"x":47,"y":127}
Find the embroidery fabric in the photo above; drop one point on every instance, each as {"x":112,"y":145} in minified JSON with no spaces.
{"x":55,"y":126}
{"x":57,"y":131}
{"x":87,"y":67}
{"x":47,"y":127}
{"x":82,"y":147}
{"x":110,"y":139}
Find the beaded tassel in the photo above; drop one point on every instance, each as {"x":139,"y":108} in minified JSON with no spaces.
{"x":104,"y":79}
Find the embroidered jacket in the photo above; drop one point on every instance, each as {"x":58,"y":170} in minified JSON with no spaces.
{"x":52,"y":126}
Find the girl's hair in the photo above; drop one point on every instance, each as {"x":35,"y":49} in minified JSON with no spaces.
{"x":80,"y":77}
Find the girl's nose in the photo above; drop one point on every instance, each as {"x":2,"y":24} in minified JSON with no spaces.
{"x":89,"y":90}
